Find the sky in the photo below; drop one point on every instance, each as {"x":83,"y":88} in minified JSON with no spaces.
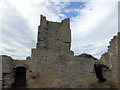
{"x":93,"y":24}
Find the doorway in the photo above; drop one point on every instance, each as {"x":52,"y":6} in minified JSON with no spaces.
{"x":20,"y":78}
{"x":99,"y":72}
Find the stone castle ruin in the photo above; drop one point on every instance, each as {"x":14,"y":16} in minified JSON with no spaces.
{"x":53,"y":65}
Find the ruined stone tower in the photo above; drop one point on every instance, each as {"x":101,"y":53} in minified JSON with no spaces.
{"x":51,"y":53}
{"x":52,"y":64}
{"x":54,"y":35}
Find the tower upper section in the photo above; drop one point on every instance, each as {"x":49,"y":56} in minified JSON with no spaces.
{"x":53,"y":34}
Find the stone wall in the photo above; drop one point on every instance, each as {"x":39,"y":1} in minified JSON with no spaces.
{"x":110,"y":58}
{"x":8,"y":66}
{"x":53,"y":65}
{"x":7,"y":74}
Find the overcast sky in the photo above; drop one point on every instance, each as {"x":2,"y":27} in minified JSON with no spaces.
{"x":93,"y":23}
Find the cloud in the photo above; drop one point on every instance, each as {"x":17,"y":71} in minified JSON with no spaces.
{"x":17,"y":37}
{"x":96,"y":25}
{"x":93,"y":25}
{"x":19,"y":22}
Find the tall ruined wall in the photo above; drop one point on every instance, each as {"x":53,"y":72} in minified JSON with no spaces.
{"x":52,"y":64}
{"x":54,"y":35}
{"x":110,"y":58}
{"x":51,"y":54}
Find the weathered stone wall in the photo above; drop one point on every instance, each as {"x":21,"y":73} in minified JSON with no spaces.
{"x":8,"y":66}
{"x":7,"y":74}
{"x":54,"y":35}
{"x":51,"y":54}
{"x":111,"y":58}
{"x":53,"y":65}
{"x":80,"y":72}
{"x":56,"y":72}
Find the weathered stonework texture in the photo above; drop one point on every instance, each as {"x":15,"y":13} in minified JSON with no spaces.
{"x":53,"y":65}
{"x":110,"y":58}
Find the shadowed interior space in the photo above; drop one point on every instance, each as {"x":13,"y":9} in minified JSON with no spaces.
{"x":20,"y":77}
{"x":99,"y":72}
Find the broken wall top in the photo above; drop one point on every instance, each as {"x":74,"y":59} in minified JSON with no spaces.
{"x":8,"y":63}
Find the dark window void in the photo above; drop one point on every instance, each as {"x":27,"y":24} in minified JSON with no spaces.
{"x":20,"y":78}
{"x":99,"y":72}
